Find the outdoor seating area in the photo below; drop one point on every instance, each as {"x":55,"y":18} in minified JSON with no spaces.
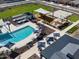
{"x":57,"y":19}
{"x":23,"y":18}
{"x":47,"y":41}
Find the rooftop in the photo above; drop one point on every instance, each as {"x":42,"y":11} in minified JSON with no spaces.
{"x":64,"y":45}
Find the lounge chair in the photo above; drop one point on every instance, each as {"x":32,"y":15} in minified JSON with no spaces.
{"x":9,"y":44}
{"x":56,"y":34}
{"x":41,"y":45}
{"x":25,"y":20}
{"x":30,"y":44}
{"x":50,"y":40}
{"x":13,"y":54}
{"x":14,"y":20}
{"x":20,"y":22}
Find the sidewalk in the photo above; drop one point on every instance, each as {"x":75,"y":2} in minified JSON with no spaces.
{"x":68,"y":28}
{"x":28,"y":53}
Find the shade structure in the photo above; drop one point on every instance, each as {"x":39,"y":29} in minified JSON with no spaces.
{"x":61,"y":14}
{"x":42,"y":11}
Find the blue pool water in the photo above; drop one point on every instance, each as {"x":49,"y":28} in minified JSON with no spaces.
{"x":16,"y":36}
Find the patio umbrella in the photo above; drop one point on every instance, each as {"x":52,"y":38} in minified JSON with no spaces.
{"x":56,"y":35}
{"x":41,"y":45}
{"x":7,"y":23}
{"x":49,"y":40}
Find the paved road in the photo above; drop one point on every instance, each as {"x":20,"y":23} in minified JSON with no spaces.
{"x":63,"y":7}
{"x":15,"y":3}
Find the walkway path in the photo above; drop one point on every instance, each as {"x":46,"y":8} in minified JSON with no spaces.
{"x":68,"y":28}
{"x":28,"y":53}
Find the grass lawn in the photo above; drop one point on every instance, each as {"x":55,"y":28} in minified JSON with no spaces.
{"x":73,"y":29}
{"x":73,"y":18}
{"x":22,"y":9}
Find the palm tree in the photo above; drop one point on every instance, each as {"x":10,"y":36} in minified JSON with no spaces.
{"x":7,"y":22}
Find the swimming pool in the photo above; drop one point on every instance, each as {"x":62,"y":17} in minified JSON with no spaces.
{"x":16,"y":36}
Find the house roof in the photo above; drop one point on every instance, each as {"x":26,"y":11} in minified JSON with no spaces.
{"x":50,"y":52}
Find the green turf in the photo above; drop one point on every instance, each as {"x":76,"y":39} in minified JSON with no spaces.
{"x":73,"y":18}
{"x":73,"y":29}
{"x":22,"y":9}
